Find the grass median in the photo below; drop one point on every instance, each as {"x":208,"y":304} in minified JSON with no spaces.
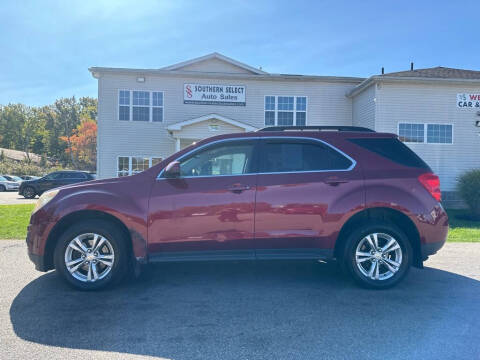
{"x":14,"y":220}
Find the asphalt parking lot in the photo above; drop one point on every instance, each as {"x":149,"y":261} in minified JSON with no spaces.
{"x":12,"y":197}
{"x":244,"y":310}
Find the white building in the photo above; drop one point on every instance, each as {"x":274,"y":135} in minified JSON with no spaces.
{"x":145,"y":115}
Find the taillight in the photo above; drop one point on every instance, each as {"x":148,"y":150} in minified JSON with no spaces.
{"x":431,"y":182}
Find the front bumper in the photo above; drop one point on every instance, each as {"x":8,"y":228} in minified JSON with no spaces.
{"x":38,"y":260}
{"x":37,"y":235}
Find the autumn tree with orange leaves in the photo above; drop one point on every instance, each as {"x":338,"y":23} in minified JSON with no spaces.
{"x":82,"y":144}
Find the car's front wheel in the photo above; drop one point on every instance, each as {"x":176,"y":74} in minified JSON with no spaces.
{"x":92,"y":255}
{"x":378,"y":255}
{"x":2,"y":188}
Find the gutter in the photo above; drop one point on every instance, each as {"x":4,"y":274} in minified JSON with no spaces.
{"x":406,"y":79}
{"x":98,"y":71}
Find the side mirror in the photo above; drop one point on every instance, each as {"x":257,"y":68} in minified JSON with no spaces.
{"x":172,"y":170}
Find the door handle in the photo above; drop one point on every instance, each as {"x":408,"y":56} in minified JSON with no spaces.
{"x":334,"y":181}
{"x":238,"y":188}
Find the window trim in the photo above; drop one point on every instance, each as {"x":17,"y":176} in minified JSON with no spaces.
{"x":425,"y":130}
{"x":350,"y":168}
{"x":130,"y":172}
{"x":294,"y":109}
{"x":150,"y":106}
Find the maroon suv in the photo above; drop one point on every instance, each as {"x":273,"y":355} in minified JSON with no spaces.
{"x":352,"y":194}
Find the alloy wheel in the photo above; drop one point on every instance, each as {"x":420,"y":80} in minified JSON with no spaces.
{"x":29,"y":192}
{"x":89,"y":257}
{"x":378,"y":256}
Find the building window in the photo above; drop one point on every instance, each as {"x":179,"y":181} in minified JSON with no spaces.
{"x":301,"y":111}
{"x":439,"y":134}
{"x":124,"y":103}
{"x":123,"y":168}
{"x":140,"y":105}
{"x":269,"y":110}
{"x":426,"y":133}
{"x":130,"y":165}
{"x":414,"y":133}
{"x":285,"y":110}
{"x":157,"y":106}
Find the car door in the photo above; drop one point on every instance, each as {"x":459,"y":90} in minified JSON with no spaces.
{"x":209,"y":210}
{"x":49,"y":181}
{"x":303,"y":189}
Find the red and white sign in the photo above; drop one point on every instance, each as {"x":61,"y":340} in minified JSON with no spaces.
{"x":214,"y":94}
{"x":468,"y":101}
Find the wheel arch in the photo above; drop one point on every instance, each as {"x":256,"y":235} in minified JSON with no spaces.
{"x":80,"y":215}
{"x":393,"y":216}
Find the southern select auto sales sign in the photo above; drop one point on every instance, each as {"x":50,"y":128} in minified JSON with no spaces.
{"x":466,"y":101}
{"x":211,"y":94}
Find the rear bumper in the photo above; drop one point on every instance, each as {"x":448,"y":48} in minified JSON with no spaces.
{"x":430,"y":249}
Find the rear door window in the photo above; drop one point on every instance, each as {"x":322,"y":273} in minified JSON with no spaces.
{"x":292,"y":155}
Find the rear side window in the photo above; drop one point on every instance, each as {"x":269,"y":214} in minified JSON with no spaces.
{"x":300,"y":155}
{"x":392,"y":149}
{"x":73,"y":175}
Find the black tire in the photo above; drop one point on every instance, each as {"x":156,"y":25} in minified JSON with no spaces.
{"x":2,"y":188}
{"x":118,"y":241}
{"x":349,"y":255}
{"x":29,"y":192}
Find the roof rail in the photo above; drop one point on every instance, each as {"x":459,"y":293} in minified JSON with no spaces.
{"x":317,"y":128}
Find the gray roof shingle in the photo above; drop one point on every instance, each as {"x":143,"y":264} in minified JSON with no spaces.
{"x":438,"y":72}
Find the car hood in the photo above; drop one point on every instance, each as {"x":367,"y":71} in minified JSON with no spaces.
{"x":94,"y":183}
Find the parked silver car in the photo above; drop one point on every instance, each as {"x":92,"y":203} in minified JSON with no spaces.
{"x":6,"y":184}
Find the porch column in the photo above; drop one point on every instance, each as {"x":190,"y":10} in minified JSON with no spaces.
{"x":177,"y":144}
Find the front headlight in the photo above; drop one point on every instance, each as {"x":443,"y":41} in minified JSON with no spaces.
{"x":44,"y":199}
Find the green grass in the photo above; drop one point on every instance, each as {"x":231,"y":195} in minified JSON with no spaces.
{"x":462,"y":230}
{"x":14,"y":220}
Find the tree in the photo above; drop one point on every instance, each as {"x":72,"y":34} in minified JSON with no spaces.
{"x":83,"y":144}
{"x":46,"y":130}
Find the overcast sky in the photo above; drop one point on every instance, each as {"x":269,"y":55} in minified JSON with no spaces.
{"x":46,"y":46}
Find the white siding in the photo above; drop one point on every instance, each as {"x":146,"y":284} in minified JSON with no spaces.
{"x":215,"y":65}
{"x":326,"y":105}
{"x":433,"y":103}
{"x":363,"y":108}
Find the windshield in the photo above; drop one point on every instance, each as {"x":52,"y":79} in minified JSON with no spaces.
{"x":2,"y":178}
{"x":16,"y":178}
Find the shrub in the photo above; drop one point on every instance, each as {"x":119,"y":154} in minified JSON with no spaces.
{"x":19,"y":168}
{"x":469,"y":189}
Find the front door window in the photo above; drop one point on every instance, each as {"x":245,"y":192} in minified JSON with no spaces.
{"x":220,"y":160}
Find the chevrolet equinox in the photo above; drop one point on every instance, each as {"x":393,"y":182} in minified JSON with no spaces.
{"x":345,"y":193}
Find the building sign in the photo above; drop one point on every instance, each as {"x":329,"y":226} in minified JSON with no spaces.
{"x":468,"y":101}
{"x":210,"y":94}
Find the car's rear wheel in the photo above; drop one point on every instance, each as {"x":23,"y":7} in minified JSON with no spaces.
{"x":377,"y":255}
{"x":29,"y":192}
{"x":92,"y":255}
{"x":2,"y":188}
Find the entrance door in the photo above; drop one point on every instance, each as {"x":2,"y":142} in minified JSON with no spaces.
{"x":210,"y":207}
{"x":303,"y":187}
